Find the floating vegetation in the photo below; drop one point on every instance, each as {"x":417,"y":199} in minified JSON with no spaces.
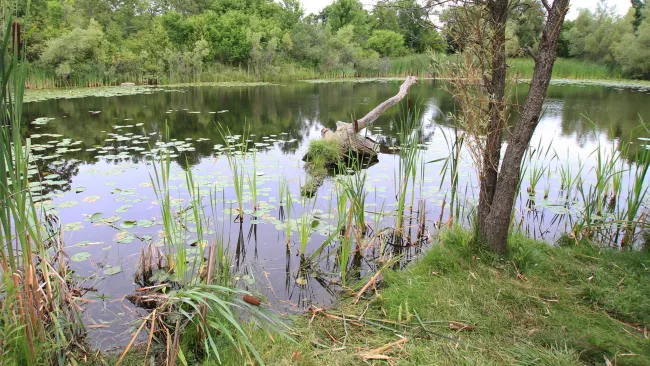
{"x":217,"y":190}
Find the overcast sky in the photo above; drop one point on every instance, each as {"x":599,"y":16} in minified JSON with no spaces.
{"x":314,"y":6}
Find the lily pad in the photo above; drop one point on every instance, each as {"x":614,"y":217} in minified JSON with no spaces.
{"x":68,"y":204}
{"x":128,"y":224}
{"x":73,"y":226}
{"x":124,"y":237}
{"x":80,"y":257}
{"x":97,"y":217}
{"x":123,"y":208}
{"x":112,"y":270}
{"x":80,"y":189}
{"x":145,"y":223}
{"x":91,"y":199}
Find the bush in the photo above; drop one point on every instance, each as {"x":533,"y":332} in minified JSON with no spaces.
{"x":387,"y":43}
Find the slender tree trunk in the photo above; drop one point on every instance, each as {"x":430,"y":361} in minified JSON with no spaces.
{"x":496,"y":90}
{"x":497,"y":222}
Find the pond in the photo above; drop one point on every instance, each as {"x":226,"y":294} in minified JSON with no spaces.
{"x":94,"y":158}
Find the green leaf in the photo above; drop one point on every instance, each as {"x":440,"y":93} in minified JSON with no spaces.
{"x":80,"y":189}
{"x":80,"y":257}
{"x":73,"y":226}
{"x":128,"y":224}
{"x":112,"y":270}
{"x":123,"y":208}
{"x":96,"y":217}
{"x":145,"y":223}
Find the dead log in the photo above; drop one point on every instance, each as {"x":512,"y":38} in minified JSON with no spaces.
{"x":348,"y":133}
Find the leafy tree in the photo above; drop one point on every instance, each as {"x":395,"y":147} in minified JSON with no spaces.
{"x":384,"y":16}
{"x":633,"y":51}
{"x":387,"y":43}
{"x":342,"y":13}
{"x":419,"y":34}
{"x":309,"y":43}
{"x":593,"y":34}
{"x":79,"y":51}
{"x":638,"y":6}
{"x":563,"y":43}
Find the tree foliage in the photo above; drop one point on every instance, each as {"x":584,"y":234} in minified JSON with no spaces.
{"x":177,"y":39}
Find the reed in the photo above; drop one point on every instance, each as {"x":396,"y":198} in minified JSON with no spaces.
{"x":354,"y":185}
{"x":39,"y":312}
{"x":306,"y":223}
{"x":236,"y":155}
{"x":407,"y":167}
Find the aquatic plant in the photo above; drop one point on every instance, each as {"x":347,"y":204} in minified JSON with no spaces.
{"x":409,"y":155}
{"x":39,"y":312}
{"x":353,"y":182}
{"x":323,"y":154}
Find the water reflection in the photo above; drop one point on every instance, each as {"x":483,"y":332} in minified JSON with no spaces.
{"x":105,"y":155}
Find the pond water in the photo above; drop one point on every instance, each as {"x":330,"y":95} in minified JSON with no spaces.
{"x":92,"y":154}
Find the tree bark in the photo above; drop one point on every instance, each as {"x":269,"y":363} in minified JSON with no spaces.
{"x":496,"y":90}
{"x":497,"y":221}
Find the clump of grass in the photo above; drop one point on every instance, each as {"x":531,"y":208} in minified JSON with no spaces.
{"x":537,"y":305}
{"x":323,"y":154}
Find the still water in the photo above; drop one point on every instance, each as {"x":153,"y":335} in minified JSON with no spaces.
{"x":93,"y":159}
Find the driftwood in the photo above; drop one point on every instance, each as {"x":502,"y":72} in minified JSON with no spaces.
{"x":362,"y":148}
{"x":347,"y":133}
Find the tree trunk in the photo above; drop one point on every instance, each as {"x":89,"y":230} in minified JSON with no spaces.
{"x":496,"y":89}
{"x":497,"y":221}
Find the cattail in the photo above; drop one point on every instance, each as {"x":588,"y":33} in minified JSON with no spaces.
{"x":15,"y":37}
{"x":252,"y":300}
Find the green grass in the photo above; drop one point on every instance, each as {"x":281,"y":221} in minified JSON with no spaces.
{"x":539,"y":305}
{"x":566,"y":68}
{"x":323,"y":154}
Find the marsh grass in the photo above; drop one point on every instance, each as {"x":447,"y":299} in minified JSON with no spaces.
{"x":236,"y":155}
{"x":409,"y":158}
{"x":323,"y":154}
{"x":537,"y":305}
{"x":196,"y":313}
{"x":40,"y":318}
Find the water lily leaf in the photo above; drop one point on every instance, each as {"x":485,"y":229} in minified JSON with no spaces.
{"x":91,"y":199}
{"x":68,"y":204}
{"x":146,"y":237}
{"x":112,"y":219}
{"x":96,"y":217}
{"x":73,"y":226}
{"x":123,"y":208}
{"x":80,"y":189}
{"x":144,"y":223}
{"x":42,"y":120}
{"x":124,"y":237}
{"x":112,"y":270}
{"x":80,"y":257}
{"x":128,"y":224}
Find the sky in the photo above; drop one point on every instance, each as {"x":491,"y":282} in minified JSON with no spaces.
{"x":314,"y":6}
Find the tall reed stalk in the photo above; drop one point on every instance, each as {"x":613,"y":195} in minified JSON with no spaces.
{"x":39,"y":317}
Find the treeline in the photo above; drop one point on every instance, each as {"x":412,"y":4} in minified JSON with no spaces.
{"x":99,"y":42}
{"x":604,"y":37}
{"x":182,"y":40}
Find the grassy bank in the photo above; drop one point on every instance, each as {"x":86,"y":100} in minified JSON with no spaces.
{"x":457,"y":305}
{"x":421,"y":65}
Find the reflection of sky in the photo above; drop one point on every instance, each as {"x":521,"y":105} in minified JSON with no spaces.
{"x":264,"y":256}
